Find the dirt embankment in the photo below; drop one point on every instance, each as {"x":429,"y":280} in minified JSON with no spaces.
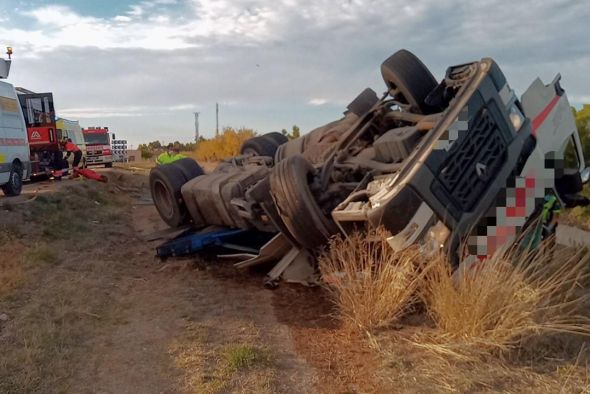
{"x":85,"y":307}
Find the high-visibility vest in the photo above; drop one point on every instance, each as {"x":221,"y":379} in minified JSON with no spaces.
{"x":166,"y":158}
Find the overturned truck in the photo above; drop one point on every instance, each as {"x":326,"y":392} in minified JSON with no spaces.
{"x":461,"y":165}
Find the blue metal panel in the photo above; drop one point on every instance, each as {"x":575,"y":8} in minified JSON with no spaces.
{"x":195,"y":242}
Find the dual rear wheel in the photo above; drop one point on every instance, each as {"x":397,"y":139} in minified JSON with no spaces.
{"x":165,"y":184}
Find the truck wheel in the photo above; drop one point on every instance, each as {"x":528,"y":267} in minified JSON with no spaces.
{"x":15,"y":181}
{"x":165,"y":184}
{"x":189,"y":168}
{"x":404,"y":72}
{"x":289,"y":183}
{"x":289,"y":149}
{"x":259,"y":146}
{"x":363,"y":102}
{"x":277,"y":137}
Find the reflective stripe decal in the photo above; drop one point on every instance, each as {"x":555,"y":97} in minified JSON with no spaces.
{"x":8,"y":104}
{"x":13,"y":141}
{"x":539,"y":119}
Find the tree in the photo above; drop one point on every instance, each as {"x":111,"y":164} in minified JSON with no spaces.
{"x":146,"y":152}
{"x":583,"y":124}
{"x":296,"y":133}
{"x":224,"y":146}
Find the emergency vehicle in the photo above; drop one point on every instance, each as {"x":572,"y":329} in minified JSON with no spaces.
{"x":39,"y":114}
{"x":15,"y":165}
{"x":98,"y":146}
{"x":70,"y":129}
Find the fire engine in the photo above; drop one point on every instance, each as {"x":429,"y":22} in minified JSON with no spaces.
{"x":98,"y":146}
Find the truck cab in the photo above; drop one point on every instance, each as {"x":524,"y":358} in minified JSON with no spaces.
{"x":15,"y":165}
{"x":98,"y":146}
{"x":39,"y":114}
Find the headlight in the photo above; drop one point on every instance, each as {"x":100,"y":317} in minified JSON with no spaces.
{"x":439,"y":233}
{"x":516,"y":117}
{"x":435,"y":238}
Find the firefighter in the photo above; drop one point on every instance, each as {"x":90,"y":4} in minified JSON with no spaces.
{"x":70,"y":148}
{"x":171,"y":155}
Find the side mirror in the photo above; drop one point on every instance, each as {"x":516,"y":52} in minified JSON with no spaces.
{"x":585,"y":175}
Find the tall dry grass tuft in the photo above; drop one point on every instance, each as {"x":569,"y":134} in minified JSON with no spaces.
{"x":371,"y":285}
{"x":496,"y":303}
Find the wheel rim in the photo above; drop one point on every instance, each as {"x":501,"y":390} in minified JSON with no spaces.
{"x":250,"y":151}
{"x":15,"y":181}
{"x":163,"y":199}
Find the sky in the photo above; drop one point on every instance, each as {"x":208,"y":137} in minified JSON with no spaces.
{"x":143,"y":67}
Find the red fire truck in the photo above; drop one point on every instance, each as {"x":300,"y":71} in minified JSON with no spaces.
{"x":39,"y":114}
{"x":98,"y":146}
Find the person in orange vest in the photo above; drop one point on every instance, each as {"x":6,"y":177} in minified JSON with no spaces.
{"x":70,"y":148}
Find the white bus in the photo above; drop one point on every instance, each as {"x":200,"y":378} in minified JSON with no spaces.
{"x":15,"y":163}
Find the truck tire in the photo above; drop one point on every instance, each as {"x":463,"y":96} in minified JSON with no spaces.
{"x":259,"y":146}
{"x":277,"y":137}
{"x":291,"y":148}
{"x":165,"y":184}
{"x":14,"y":186}
{"x":405,"y":72}
{"x":289,"y":183}
{"x":363,"y":102}
{"x":189,"y":168}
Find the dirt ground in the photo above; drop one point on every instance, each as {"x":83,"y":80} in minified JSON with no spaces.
{"x":86,"y":308}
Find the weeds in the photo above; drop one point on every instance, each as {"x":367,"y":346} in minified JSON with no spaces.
{"x":371,"y":285}
{"x":240,"y":366}
{"x":12,"y":271}
{"x":242,"y":356}
{"x":506,"y":299}
{"x":42,"y":254}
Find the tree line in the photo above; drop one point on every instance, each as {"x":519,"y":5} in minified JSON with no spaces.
{"x":223,"y":146}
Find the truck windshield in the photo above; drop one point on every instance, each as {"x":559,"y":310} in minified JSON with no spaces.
{"x":38,"y":109}
{"x":96,"y":139}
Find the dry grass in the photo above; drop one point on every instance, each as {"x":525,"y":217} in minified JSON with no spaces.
{"x":511,"y":297}
{"x":53,"y":298}
{"x":212,"y":367}
{"x":371,"y":285}
{"x":578,"y":216}
{"x":12,"y":272}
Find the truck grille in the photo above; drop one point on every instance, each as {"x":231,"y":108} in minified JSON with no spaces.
{"x":473,"y":162}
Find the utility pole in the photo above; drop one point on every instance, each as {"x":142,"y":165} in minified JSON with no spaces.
{"x":196,"y":126}
{"x":216,"y":119}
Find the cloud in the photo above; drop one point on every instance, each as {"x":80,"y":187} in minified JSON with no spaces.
{"x":122,"y":18}
{"x":272,"y":65}
{"x":317,"y":101}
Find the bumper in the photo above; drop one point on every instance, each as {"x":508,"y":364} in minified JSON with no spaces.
{"x":95,"y":160}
